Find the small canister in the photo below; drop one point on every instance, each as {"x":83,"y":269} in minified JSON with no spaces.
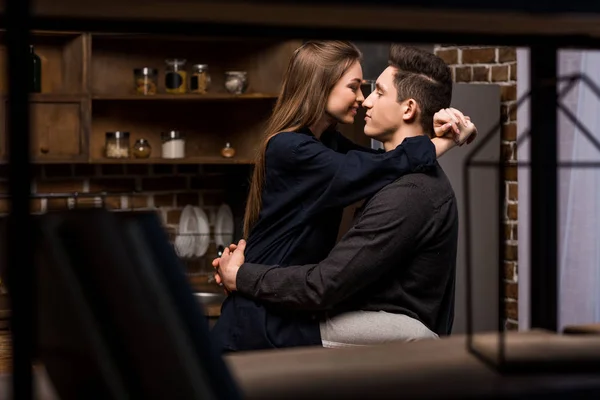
{"x":175,"y":76}
{"x":173,"y":144}
{"x":200,"y":79}
{"x":117,"y":144}
{"x":145,"y":80}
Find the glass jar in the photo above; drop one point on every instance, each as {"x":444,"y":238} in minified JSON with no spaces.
{"x":236,"y":82}
{"x":200,"y":79}
{"x":228,"y":151}
{"x":145,"y":80}
{"x":173,"y":144}
{"x":142,"y":149}
{"x":175,"y":76}
{"x":117,"y":145}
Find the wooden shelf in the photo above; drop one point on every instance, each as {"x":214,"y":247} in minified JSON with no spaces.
{"x":184,"y":97}
{"x":187,"y":160}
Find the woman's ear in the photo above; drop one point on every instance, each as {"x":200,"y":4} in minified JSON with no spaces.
{"x":409,"y":110}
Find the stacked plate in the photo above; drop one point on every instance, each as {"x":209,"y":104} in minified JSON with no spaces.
{"x":194,"y":233}
{"x":224,"y":226}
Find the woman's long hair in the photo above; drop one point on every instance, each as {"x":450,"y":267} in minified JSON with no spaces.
{"x":312,"y":72}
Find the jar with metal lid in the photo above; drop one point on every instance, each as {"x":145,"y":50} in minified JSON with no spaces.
{"x":142,"y":149}
{"x":173,"y":144}
{"x":200,"y":79}
{"x":117,"y":144}
{"x":145,"y":80}
{"x":175,"y":76}
{"x":236,"y":82}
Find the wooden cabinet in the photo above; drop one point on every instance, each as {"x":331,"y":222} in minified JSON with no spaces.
{"x":88,"y":90}
{"x":56,"y":131}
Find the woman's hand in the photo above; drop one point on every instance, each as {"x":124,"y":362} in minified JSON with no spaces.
{"x":452,"y":128}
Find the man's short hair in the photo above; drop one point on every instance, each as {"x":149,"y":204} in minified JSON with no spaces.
{"x":424,"y":77}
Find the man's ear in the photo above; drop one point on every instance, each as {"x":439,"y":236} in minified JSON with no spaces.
{"x":409,"y":110}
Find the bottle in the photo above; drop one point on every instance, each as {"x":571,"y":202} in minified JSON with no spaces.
{"x":228,"y":151}
{"x":36,"y":72}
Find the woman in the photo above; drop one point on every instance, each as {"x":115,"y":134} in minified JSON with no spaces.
{"x":304,"y":175}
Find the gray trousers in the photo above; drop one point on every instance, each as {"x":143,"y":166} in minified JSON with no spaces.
{"x":363,"y":328}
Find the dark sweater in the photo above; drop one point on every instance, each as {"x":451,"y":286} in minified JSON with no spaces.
{"x":399,"y":257}
{"x":307,"y":184}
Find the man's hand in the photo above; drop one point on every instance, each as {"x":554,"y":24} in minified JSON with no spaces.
{"x":228,"y":265}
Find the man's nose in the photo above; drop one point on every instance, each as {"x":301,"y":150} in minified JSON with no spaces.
{"x":368,"y":103}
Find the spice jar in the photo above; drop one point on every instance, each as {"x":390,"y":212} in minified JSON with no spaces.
{"x":228,"y":151}
{"x":142,"y":149}
{"x":175,"y":76}
{"x":117,"y":145}
{"x":145,"y":80}
{"x":173,"y":144}
{"x":200,"y":79}
{"x":236,"y":82}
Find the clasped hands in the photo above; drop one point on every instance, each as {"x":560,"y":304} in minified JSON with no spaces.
{"x":227,"y":266}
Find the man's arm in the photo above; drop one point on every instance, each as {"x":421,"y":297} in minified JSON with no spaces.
{"x":386,"y":234}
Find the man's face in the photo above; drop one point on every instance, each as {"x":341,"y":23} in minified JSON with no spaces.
{"x":384,"y":113}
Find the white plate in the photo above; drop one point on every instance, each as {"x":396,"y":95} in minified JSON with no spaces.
{"x":188,"y":227}
{"x":203,"y":238}
{"x":224,"y":226}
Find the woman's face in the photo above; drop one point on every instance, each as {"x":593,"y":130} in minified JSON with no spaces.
{"x":346,"y":96}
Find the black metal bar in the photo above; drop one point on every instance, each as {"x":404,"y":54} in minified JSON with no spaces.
{"x":544,"y":188}
{"x":20,"y":263}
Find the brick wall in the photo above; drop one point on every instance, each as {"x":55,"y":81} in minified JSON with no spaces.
{"x":165,"y":189}
{"x":496,"y":65}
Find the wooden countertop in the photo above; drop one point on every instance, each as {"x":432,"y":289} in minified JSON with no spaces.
{"x":429,"y":369}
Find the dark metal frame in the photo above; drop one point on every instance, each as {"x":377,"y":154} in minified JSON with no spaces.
{"x":543,"y":150}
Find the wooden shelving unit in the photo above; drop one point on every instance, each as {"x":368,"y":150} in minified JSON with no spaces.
{"x":87,"y":90}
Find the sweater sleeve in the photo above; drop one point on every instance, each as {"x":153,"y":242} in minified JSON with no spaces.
{"x":337,"y":180}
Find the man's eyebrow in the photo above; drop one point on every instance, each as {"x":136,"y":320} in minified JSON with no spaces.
{"x":379,"y":86}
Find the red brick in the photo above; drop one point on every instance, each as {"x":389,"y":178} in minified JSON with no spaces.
{"x":511,"y":252}
{"x":513,"y":191}
{"x":463,"y":74}
{"x":508,"y":92}
{"x":500,"y":73}
{"x":85,"y":170}
{"x":511,"y":326}
{"x":450,"y":56}
{"x":512,"y":310}
{"x":173,"y":217}
{"x":509,"y":271}
{"x":60,"y":186}
{"x":166,"y":183}
{"x":512,"y":212}
{"x":513,"y":71}
{"x":113,"y":169}
{"x":511,"y":291}
{"x":137,"y":169}
{"x":162,"y":169}
{"x":187,"y":169}
{"x":112,"y":185}
{"x":164,"y":200}
{"x":515,"y":233}
{"x":509,"y":132}
{"x":137,"y":202}
{"x":112,"y":202}
{"x":479,"y":56}
{"x":58,"y":171}
{"x":213,"y":199}
{"x":481,"y":74}
{"x":507,"y":151}
{"x":57,"y":204}
{"x":510,"y":173}
{"x":507,"y":231}
{"x":507,"y":54}
{"x":183,"y":199}
{"x":208,"y":182}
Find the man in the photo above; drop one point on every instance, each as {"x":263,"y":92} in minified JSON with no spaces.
{"x":392,"y":276}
